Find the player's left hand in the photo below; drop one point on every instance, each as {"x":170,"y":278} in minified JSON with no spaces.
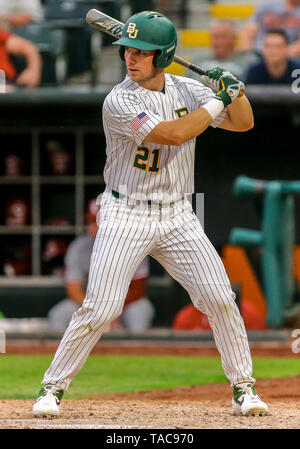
{"x":213,"y":76}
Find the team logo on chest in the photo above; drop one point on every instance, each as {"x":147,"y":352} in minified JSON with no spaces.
{"x":132,"y":31}
{"x":181,"y":112}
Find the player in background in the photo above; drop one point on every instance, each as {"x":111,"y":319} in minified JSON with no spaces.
{"x":151,"y":121}
{"x":138,"y":310}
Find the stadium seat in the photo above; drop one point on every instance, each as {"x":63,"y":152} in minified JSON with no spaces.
{"x":70,"y":15}
{"x":194,"y":38}
{"x":232,"y":11}
{"x":51,"y":44}
{"x":63,"y":11}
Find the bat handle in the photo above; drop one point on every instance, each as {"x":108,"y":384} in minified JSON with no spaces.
{"x":196,"y":69}
{"x":189,"y":65}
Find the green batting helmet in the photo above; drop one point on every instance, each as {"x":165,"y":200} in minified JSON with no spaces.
{"x":149,"y":30}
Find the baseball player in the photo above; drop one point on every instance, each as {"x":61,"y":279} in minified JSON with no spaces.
{"x":151,"y":121}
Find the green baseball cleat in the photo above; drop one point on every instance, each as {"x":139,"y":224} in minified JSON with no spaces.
{"x":246,"y":401}
{"x":48,"y":401}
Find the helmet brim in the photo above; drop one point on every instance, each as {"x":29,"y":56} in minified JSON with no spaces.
{"x":136,"y":43}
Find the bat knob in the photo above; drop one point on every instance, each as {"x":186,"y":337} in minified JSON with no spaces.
{"x":241,"y":93}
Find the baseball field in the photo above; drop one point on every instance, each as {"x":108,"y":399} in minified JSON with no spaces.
{"x":149,"y":386}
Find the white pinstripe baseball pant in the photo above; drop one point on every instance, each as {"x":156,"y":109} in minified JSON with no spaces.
{"x":173,"y":236}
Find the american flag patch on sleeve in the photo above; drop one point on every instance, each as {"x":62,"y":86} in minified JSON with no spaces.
{"x":138,"y":121}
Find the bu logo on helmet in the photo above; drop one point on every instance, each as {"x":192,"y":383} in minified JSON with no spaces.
{"x":132,"y":31}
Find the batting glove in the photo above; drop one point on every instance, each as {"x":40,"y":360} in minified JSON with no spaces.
{"x":230,"y":89}
{"x":213,"y":76}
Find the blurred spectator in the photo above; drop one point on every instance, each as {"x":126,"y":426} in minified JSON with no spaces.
{"x":17,"y":260}
{"x":17,"y":212}
{"x":138,"y":311}
{"x":283,"y":14}
{"x":15,"y":13}
{"x":276,"y":67}
{"x":14,"y":165}
{"x":11,"y":44}
{"x":60,"y":160}
{"x":53,"y":256}
{"x":223,"y":51}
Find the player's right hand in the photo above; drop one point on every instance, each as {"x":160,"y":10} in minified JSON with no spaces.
{"x":212,"y":77}
{"x":230,"y":89}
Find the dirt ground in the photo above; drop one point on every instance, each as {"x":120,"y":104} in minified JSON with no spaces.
{"x":196,"y":407}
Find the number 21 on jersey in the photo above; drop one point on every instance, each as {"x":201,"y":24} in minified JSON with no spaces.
{"x":147,"y":160}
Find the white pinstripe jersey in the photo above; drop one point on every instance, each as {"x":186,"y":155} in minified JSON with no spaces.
{"x":130,"y":113}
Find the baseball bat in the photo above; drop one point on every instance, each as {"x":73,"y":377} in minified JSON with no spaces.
{"x":114,"y":28}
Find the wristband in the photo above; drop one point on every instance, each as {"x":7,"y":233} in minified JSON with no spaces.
{"x":214,"y":107}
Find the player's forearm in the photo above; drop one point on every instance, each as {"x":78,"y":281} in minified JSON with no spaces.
{"x":239,"y":116}
{"x":176,"y":132}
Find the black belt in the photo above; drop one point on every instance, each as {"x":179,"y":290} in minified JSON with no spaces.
{"x":138,"y":202}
